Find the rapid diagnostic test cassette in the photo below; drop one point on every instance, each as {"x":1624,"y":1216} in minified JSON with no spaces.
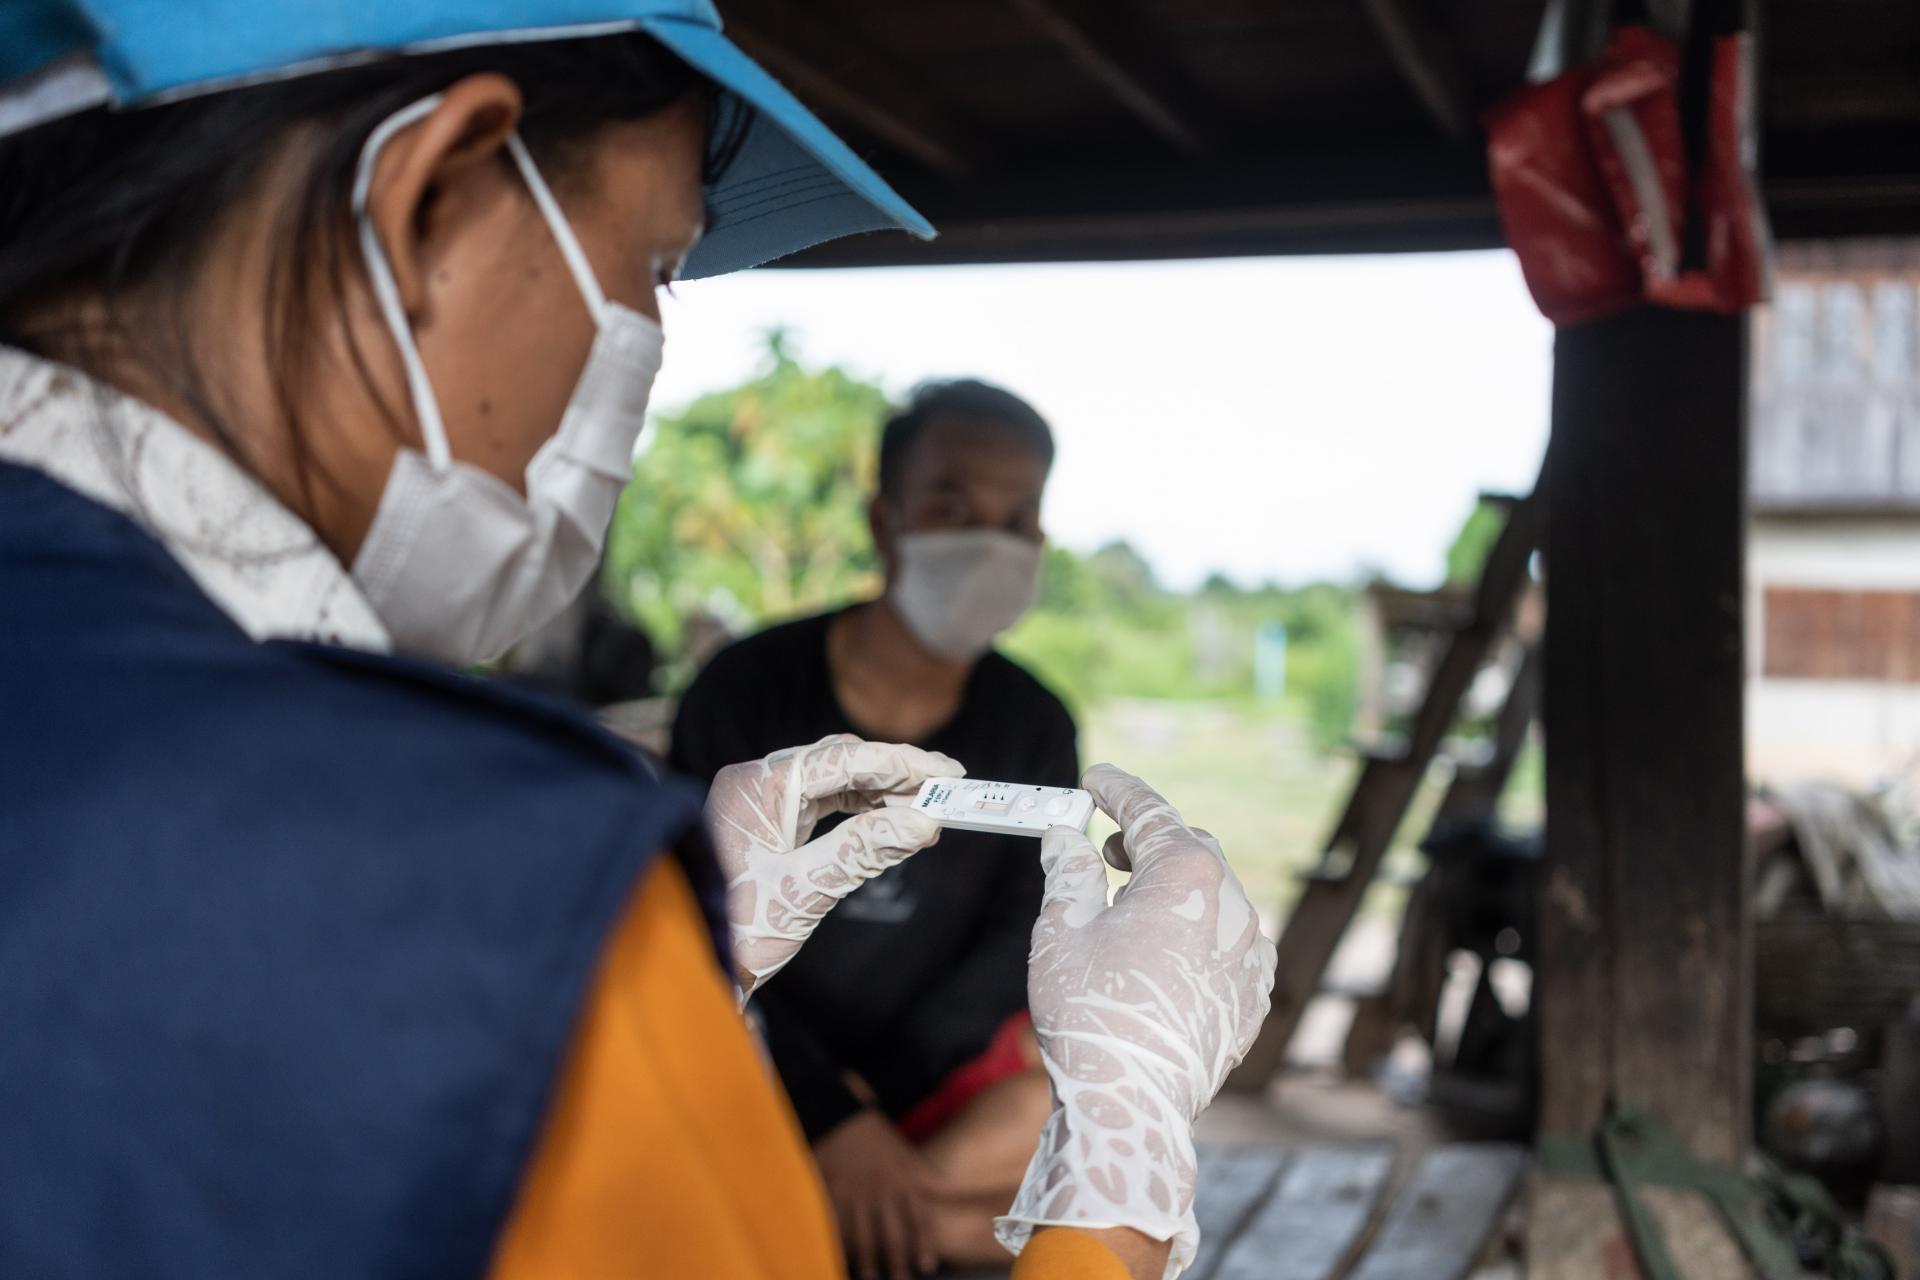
{"x":1003,"y":808}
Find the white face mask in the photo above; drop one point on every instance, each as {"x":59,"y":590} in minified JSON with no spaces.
{"x":457,"y":564}
{"x":956,"y":589}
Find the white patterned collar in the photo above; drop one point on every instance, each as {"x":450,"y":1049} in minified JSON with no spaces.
{"x":258,"y":561}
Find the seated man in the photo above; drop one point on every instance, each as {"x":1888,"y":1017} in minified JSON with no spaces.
{"x":901,"y":1031}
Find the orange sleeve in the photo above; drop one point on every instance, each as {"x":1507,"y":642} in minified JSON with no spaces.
{"x":669,"y":1149}
{"x":1061,"y":1253}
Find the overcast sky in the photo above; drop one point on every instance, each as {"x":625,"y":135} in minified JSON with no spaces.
{"x":1281,"y":419}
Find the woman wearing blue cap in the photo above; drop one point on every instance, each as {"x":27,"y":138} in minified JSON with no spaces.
{"x":325,"y":337}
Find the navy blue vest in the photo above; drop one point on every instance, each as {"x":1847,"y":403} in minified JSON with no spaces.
{"x":292,"y":938}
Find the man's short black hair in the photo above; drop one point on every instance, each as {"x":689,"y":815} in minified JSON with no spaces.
{"x":967,"y":398}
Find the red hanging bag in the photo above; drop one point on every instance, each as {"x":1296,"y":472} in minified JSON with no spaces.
{"x":1554,"y":206}
{"x":1630,"y":178}
{"x":1671,"y":129}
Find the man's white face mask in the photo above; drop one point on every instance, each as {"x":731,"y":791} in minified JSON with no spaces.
{"x":457,"y":564}
{"x":956,"y":589}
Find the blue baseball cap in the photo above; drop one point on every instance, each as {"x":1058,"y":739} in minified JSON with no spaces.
{"x":792,"y":184}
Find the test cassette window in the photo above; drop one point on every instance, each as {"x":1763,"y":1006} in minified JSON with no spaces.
{"x":993,"y":800}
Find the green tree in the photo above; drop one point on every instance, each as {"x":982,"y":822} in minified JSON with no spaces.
{"x":750,"y":503}
{"x":1124,"y":572}
{"x":1219,"y":584}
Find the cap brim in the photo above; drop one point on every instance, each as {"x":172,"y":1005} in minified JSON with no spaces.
{"x":792,"y":183}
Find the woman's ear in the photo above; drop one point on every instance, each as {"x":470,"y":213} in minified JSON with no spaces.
{"x":426,"y":163}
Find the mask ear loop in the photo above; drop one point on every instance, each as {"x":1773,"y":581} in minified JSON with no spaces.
{"x":562,"y":230}
{"x":433,"y":431}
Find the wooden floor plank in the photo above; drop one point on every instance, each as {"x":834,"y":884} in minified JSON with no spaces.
{"x":1234,"y":1182}
{"x":1437,"y":1226}
{"x":1574,"y":1232}
{"x":1318,"y":1208}
{"x":1696,"y":1235}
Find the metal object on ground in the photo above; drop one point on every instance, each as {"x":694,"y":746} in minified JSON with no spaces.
{"x":1827,"y":1128}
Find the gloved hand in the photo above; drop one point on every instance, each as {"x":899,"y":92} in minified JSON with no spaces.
{"x":1141,"y":1008}
{"x":761,"y":815}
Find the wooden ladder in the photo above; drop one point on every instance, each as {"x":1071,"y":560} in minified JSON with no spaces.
{"x":1411,"y":996}
{"x":1383,"y":792}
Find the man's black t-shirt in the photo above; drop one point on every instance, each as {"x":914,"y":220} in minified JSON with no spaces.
{"x":911,"y":975}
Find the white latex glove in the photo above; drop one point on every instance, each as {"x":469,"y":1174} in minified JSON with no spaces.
{"x":1141,"y":1008}
{"x":780,"y":883}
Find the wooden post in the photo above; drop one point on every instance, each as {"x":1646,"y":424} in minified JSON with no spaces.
{"x":1644,"y":981}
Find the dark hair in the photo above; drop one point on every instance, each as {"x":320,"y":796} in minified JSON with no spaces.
{"x":967,"y":399}
{"x":107,"y":202}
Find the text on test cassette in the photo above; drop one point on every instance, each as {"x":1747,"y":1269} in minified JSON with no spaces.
{"x":1003,"y":808}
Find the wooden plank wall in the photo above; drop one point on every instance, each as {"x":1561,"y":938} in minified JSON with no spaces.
{"x":1836,"y":421}
{"x":1829,"y":634}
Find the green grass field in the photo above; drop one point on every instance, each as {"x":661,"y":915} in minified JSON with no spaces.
{"x":1250,"y":775}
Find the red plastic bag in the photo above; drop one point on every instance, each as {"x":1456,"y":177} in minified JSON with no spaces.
{"x":1554,"y":206}
{"x":1630,"y":111}
{"x":1694,"y":221}
{"x":1630,"y":179}
{"x":1735,"y":270}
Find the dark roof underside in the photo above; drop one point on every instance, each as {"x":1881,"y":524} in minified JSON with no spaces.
{"x":1096,"y":129}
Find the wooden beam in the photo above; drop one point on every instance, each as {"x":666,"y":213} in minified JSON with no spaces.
{"x":1644,"y":976}
{"x":1107,"y":56}
{"x":1830,"y":206}
{"x":1347,"y":200}
{"x":834,"y":73}
{"x":1408,"y":226}
{"x":1427,"y":62}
